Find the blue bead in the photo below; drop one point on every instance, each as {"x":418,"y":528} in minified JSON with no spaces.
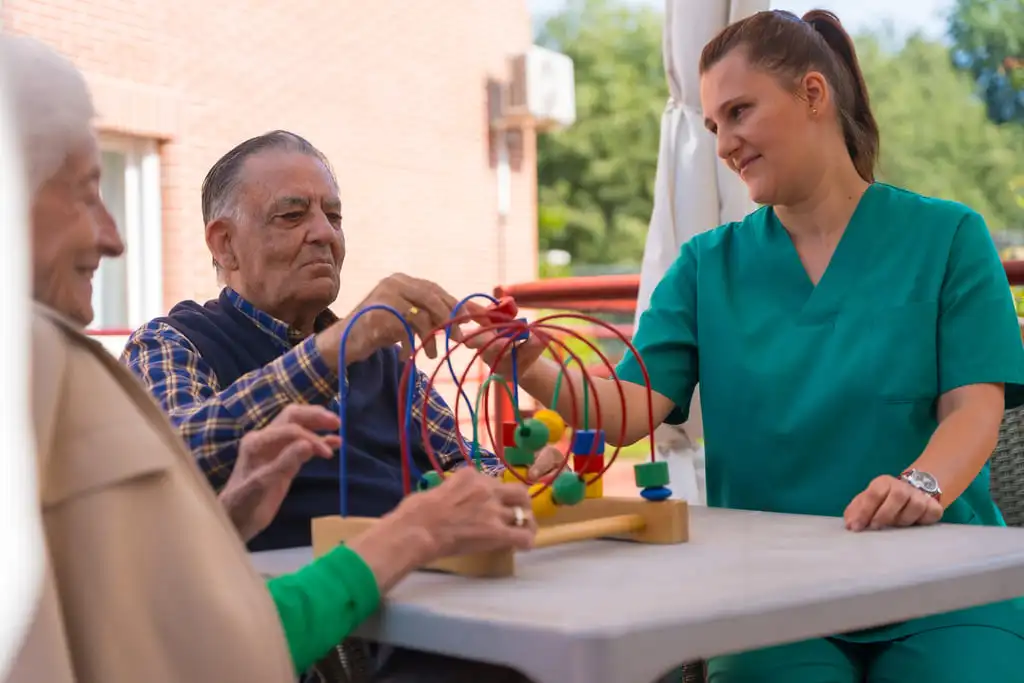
{"x":655,"y":493}
{"x":584,"y":440}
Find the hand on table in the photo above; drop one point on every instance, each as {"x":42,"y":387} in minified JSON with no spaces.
{"x":891,"y":502}
{"x":424,"y":305}
{"x":268,"y":460}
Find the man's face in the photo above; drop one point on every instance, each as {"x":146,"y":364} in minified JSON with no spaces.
{"x":71,"y":231}
{"x":284,"y":248}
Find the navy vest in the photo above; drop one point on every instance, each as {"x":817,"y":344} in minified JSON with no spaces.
{"x":233,"y":345}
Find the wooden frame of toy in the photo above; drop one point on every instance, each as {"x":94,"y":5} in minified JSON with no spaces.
{"x":569,"y":506}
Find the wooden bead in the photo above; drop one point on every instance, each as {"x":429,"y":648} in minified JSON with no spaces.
{"x":553,"y":421}
{"x":531,"y":435}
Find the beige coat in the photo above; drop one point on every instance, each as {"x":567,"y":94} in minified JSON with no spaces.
{"x":148,"y":581}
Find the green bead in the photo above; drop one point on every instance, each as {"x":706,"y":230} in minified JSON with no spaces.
{"x":532,"y":435}
{"x":651,"y":474}
{"x":517,"y":457}
{"x":568,"y":489}
{"x":429,"y":480}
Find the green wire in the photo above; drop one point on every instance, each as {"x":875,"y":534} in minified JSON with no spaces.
{"x":586,"y":391}
{"x":476,"y":413}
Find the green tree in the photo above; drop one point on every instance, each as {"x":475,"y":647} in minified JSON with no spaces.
{"x":936,"y":136}
{"x":988,"y":40}
{"x":596,"y":177}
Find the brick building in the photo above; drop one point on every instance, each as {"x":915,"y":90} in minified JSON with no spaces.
{"x":393,"y":91}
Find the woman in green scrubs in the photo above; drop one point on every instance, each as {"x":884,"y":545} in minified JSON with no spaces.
{"x":855,"y":343}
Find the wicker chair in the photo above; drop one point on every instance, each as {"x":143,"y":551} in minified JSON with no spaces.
{"x":349,"y":662}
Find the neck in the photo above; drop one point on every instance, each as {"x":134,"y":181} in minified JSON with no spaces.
{"x":825,"y":212}
{"x":301,"y":318}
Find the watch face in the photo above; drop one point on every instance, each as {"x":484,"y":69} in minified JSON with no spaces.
{"x":925,"y":481}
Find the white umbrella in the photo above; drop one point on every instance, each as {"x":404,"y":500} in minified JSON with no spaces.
{"x":693,"y":192}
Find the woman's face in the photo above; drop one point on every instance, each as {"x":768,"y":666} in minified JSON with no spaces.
{"x":766,"y":133}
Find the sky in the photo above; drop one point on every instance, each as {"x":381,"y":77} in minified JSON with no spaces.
{"x":910,"y":15}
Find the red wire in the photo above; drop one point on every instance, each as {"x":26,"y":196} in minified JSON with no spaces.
{"x":506,"y":330}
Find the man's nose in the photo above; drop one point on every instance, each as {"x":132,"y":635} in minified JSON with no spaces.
{"x":321,"y":231}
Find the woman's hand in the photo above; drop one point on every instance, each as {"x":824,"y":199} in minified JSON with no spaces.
{"x":891,"y":502}
{"x":492,"y":345}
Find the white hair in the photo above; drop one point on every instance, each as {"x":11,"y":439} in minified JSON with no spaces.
{"x":50,"y":102}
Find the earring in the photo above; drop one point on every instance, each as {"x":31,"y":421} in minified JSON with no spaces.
{"x":814,"y":111}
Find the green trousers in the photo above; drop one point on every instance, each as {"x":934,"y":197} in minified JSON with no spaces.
{"x":953,"y":654}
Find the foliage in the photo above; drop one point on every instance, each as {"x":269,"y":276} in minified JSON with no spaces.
{"x":936,"y":137}
{"x":596,"y":177}
{"x":988,"y":36}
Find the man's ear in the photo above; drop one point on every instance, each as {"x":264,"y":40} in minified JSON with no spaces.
{"x":220,"y":235}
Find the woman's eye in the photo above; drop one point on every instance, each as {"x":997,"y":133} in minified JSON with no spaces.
{"x":738,"y":110}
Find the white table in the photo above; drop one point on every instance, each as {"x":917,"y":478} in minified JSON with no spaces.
{"x":615,"y":612}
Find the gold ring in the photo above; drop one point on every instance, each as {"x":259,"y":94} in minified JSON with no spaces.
{"x":520,"y":516}
{"x":413,"y":310}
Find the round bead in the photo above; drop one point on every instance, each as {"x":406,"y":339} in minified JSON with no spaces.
{"x":553,"y":421}
{"x":544,"y":504}
{"x":531,"y":435}
{"x":568,"y":489}
{"x":429,"y":480}
{"x":655,"y":493}
{"x":517,"y":457}
{"x":651,"y":474}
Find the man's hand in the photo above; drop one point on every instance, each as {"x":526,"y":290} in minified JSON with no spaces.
{"x":495,"y":350}
{"x":548,"y":463}
{"x":889,"y":502}
{"x":423,"y":304}
{"x":269,"y":459}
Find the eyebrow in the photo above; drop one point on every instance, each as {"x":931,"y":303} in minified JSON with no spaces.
{"x":709,"y":124}
{"x":283,"y":204}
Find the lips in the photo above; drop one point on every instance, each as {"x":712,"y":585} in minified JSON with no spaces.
{"x":744,"y":164}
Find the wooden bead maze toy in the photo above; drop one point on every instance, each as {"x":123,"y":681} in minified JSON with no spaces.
{"x":570,"y":505}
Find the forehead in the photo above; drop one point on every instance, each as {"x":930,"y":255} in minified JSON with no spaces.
{"x":730,"y":79}
{"x":272,"y":173}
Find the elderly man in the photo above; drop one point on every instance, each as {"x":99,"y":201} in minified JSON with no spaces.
{"x":146,"y":577}
{"x":274,"y":229}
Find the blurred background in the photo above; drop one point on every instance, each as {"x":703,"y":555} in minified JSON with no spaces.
{"x":484,"y":143}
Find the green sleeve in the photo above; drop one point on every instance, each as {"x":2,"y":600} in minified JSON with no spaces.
{"x":666,"y":337}
{"x":979,"y":337}
{"x":322,"y":603}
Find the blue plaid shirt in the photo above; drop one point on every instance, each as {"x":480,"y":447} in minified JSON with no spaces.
{"x":212,"y":419}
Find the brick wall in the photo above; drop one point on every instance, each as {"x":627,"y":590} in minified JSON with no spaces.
{"x":393,"y":91}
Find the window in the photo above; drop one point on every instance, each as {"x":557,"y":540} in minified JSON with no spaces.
{"x":128,"y":291}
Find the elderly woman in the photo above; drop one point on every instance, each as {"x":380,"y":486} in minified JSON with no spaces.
{"x":147,"y":576}
{"x":864,"y":336}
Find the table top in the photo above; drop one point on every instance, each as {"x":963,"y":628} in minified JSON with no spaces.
{"x":621,"y":612}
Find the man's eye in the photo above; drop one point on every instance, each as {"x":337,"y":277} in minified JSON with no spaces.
{"x":292,"y":215}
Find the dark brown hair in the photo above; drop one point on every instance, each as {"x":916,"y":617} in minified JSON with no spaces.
{"x":784,"y":44}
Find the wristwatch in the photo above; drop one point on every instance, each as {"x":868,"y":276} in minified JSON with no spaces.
{"x":922,"y":481}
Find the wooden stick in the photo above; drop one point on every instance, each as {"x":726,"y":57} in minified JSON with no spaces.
{"x":587,"y":530}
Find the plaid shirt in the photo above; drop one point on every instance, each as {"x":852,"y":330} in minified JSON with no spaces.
{"x":212,"y":419}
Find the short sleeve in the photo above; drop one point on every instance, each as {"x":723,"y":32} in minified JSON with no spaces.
{"x":666,"y":337}
{"x":979,"y":336}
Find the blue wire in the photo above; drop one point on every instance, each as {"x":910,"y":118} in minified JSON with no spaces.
{"x":447,"y":350}
{"x":343,"y":398}
{"x":515,"y":378}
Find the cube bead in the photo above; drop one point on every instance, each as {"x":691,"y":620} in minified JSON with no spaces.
{"x":651,"y":474}
{"x":588,"y":442}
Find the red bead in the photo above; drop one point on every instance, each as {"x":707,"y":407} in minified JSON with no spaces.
{"x":587,"y":464}
{"x":508,"y":434}
{"x":503,"y":311}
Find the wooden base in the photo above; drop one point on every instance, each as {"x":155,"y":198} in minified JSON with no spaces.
{"x":630,"y":519}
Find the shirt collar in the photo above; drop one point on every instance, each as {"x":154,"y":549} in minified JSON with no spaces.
{"x":278,"y":329}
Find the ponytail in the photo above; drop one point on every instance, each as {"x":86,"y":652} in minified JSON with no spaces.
{"x":860,"y":128}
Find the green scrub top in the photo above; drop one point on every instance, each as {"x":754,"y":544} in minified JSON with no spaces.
{"x":809,"y":392}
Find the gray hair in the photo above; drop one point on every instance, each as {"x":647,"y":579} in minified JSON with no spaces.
{"x":50,"y":104}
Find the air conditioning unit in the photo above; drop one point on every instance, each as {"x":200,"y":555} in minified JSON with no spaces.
{"x":541,"y":92}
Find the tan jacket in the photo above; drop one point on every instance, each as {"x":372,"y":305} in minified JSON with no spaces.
{"x":148,"y":581}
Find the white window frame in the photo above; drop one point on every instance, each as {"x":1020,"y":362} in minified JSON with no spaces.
{"x":142,"y":231}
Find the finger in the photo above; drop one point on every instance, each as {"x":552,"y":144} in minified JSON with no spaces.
{"x":509,"y":517}
{"x":312,"y":417}
{"x":890,"y":509}
{"x":287,"y":464}
{"x":269,"y":441}
{"x":548,"y":460}
{"x":913,"y":511}
{"x":866,"y":504}
{"x":511,"y":494}
{"x":420,"y":321}
{"x":932,"y":512}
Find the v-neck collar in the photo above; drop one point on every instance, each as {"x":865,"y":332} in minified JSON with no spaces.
{"x":849,"y":259}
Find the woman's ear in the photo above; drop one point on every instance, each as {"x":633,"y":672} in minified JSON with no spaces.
{"x":814,"y":90}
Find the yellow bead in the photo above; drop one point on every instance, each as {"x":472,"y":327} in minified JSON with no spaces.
{"x":553,"y":421}
{"x":509,"y":478}
{"x":544,"y":504}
